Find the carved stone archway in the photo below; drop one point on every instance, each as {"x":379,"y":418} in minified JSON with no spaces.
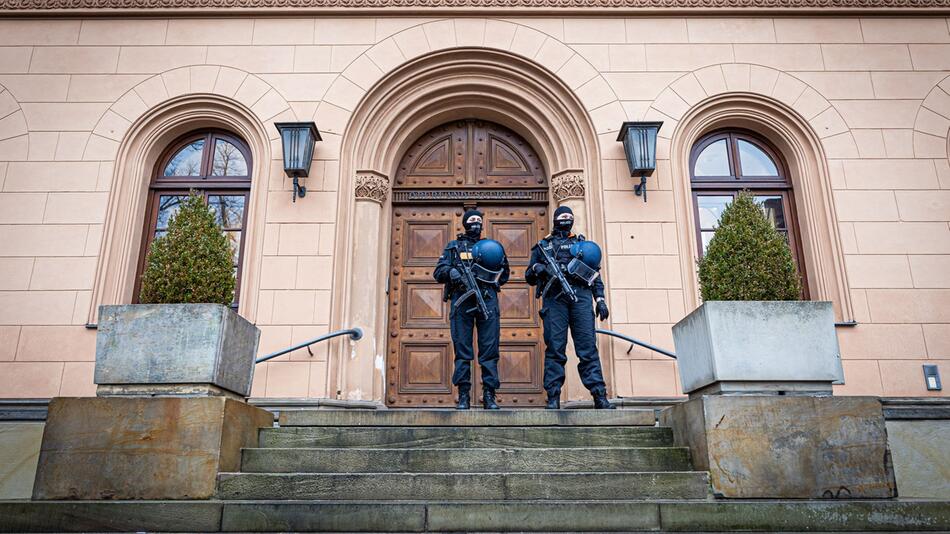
{"x":431,"y":90}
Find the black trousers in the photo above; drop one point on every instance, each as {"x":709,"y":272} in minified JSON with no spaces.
{"x":464,"y":322}
{"x":560,"y":314}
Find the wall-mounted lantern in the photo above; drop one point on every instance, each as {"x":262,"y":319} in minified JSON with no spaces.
{"x":639,"y":143}
{"x":298,"y":139}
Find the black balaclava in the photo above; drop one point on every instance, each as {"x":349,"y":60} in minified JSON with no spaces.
{"x":563,"y":226}
{"x":472,"y":229}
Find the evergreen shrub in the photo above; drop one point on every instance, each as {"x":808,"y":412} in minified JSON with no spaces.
{"x":747,"y":258}
{"x":192,"y":262}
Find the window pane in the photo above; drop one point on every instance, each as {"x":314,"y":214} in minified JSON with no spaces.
{"x":187,"y":162}
{"x":235,"y":239}
{"x":707,"y":237}
{"x":710,"y":210}
{"x":754,"y":161}
{"x":713,"y":160}
{"x":228,"y":210}
{"x":228,"y":160}
{"x":774,"y":210}
{"x":167,"y":208}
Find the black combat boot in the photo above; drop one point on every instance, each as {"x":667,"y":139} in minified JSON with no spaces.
{"x":554,"y":400}
{"x":601,"y":402}
{"x":464,"y":399}
{"x":488,"y":399}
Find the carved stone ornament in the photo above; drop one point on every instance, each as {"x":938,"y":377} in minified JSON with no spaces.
{"x":371,"y":186}
{"x":568,"y":185}
{"x":159,"y":5}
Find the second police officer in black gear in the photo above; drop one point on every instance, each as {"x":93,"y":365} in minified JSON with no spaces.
{"x":559,"y":313}
{"x":465,"y":317}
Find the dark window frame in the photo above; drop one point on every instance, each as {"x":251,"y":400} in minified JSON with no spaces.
{"x":205,"y":184}
{"x":731,"y":185}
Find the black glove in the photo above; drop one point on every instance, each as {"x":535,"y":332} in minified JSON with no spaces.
{"x":602,"y":312}
{"x":454,"y":274}
{"x":539,"y":268}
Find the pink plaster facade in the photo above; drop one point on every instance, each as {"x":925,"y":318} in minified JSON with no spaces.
{"x":875,"y":91}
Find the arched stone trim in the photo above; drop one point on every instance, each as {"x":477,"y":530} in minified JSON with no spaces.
{"x":14,"y":132}
{"x":800,"y":143}
{"x":933,"y":123}
{"x":419,"y":94}
{"x":142,"y":141}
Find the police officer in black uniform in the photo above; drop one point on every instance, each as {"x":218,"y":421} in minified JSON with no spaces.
{"x":465,"y":317}
{"x":558,"y":312}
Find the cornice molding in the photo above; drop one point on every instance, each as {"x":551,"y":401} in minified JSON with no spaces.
{"x":699,"y":5}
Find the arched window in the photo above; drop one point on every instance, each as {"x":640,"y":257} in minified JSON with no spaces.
{"x":728,"y":161}
{"x":214,"y":164}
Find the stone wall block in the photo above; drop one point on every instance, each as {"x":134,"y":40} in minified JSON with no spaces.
{"x":19,"y":453}
{"x":413,"y":42}
{"x":440,"y":34}
{"x":470,"y":32}
{"x":363,"y":72}
{"x":553,"y":54}
{"x":731,"y":30}
{"x":387,"y":56}
{"x":787,"y":447}
{"x":862,"y":57}
{"x":921,"y":458}
{"x":929,"y":146}
{"x":204,"y":31}
{"x":143,"y":448}
{"x":932,"y":272}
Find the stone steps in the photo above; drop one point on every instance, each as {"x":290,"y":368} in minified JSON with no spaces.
{"x":467,"y":418}
{"x":465,"y":460}
{"x":445,"y":437}
{"x":464,"y":486}
{"x":439,"y":516}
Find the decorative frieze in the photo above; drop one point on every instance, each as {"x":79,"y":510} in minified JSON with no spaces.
{"x":568,"y":185}
{"x":158,"y":5}
{"x":371,"y":186}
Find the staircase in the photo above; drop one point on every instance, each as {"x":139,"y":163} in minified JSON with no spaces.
{"x":496,"y":459}
{"x":448,"y":471}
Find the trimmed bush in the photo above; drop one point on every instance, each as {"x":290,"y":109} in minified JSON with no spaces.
{"x":192,"y":263}
{"x":747,"y":258}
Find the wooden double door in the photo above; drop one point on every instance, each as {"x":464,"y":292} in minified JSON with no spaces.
{"x":420,"y":357}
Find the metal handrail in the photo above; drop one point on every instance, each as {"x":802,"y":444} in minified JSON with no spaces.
{"x":355,"y":334}
{"x":636,"y":341}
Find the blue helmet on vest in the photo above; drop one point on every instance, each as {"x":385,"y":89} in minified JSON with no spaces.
{"x":489,"y":254}
{"x":588,"y":252}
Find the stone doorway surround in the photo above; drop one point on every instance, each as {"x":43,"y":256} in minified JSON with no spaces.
{"x":434,"y":89}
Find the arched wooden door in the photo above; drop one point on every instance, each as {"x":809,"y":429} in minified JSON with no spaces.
{"x":458,"y":165}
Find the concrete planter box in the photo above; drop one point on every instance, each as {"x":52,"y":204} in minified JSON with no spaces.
{"x":162,"y":349}
{"x":748,"y":347}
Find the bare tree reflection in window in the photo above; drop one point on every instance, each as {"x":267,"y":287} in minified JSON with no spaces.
{"x":187,"y":162}
{"x":228,"y":160}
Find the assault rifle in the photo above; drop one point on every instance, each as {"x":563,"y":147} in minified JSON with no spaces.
{"x":554,"y":270}
{"x":471,"y":286}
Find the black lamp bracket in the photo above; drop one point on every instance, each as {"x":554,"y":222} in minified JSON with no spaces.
{"x":641,"y":188}
{"x":301,"y":191}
